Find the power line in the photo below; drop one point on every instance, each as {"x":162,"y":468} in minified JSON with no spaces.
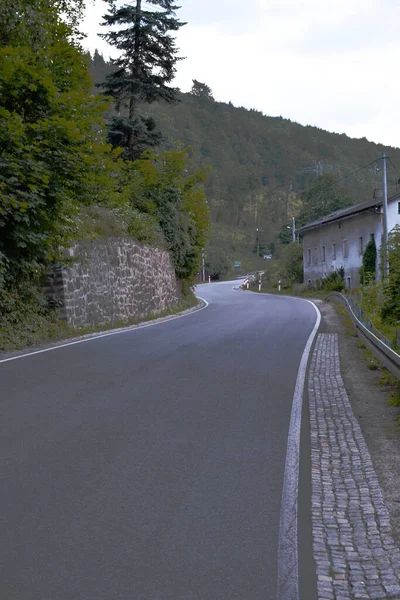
{"x":393,"y":165}
{"x":358,"y":170}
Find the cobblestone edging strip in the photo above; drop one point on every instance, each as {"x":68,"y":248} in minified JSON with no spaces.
{"x":354,"y":550}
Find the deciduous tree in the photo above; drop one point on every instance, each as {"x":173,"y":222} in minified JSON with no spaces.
{"x":165,"y":188}
{"x":52,"y":145}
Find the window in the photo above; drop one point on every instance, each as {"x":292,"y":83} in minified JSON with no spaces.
{"x":333,"y":251}
{"x":345,"y":249}
{"x":371,"y":237}
{"x":323,"y":254}
{"x":398,"y":208}
{"x":315,"y":256}
{"x":309,"y":256}
{"x":360,"y":244}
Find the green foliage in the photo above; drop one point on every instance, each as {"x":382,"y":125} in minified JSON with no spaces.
{"x":286,"y":266}
{"x":285,"y":235}
{"x":391,"y":305}
{"x":40,"y":23}
{"x":201,"y":91}
{"x":163,"y":188}
{"x":292,"y":263}
{"x":322,"y":198}
{"x":259,"y":249}
{"x":217,"y":262}
{"x":334,"y":282}
{"x":25,"y":317}
{"x":94,"y":222}
{"x":53,"y":152}
{"x":372,"y":299}
{"x":133,"y":135}
{"x":272,"y":272}
{"x":368,"y":262}
{"x":99,"y":69}
{"x":391,"y":384}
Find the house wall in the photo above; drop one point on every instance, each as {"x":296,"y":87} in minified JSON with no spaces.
{"x":393,"y":214}
{"x":349,"y":229}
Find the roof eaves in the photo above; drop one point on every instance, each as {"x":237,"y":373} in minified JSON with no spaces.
{"x":341,"y":214}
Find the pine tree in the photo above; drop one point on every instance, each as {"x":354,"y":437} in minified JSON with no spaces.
{"x":144,"y":70}
{"x":201,"y":90}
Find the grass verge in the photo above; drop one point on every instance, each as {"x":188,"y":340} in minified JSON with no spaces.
{"x":386,"y":380}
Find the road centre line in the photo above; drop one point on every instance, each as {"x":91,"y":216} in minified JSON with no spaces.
{"x":94,"y":336}
{"x":288,"y":567}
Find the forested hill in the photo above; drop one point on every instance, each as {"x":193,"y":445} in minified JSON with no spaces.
{"x":259,"y":164}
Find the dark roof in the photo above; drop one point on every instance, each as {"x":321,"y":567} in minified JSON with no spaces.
{"x":346,"y":212}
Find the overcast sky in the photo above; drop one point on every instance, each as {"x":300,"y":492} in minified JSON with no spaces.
{"x":329,"y":63}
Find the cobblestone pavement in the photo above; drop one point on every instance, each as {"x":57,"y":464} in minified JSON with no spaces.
{"x":354,"y":550}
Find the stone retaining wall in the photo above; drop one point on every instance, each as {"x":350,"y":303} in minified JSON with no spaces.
{"x":113,"y":280}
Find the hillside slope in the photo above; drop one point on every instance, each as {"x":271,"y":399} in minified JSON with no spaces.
{"x":259,"y":166}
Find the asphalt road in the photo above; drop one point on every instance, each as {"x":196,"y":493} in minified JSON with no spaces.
{"x":149,"y":465}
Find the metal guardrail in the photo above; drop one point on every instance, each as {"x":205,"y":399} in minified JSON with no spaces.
{"x":366,"y":320}
{"x":373,"y":338}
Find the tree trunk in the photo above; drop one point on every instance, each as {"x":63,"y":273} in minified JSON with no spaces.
{"x":135,"y":68}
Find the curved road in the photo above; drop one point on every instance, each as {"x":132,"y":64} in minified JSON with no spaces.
{"x":149,"y":465}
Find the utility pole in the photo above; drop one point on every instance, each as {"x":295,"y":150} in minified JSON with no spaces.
{"x":203,"y":265}
{"x":293,"y":229}
{"x":258,"y":249}
{"x":385,"y":220}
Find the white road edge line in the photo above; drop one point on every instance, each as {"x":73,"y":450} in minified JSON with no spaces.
{"x":288,"y":565}
{"x":94,"y":336}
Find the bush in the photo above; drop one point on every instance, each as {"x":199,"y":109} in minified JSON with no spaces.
{"x":334,"y":282}
{"x":292,"y":263}
{"x":288,"y":268}
{"x":368,"y":269}
{"x":272,"y":272}
{"x":26,"y":318}
{"x":391,"y":305}
{"x":371,"y":299}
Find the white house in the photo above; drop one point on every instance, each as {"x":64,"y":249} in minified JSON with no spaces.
{"x":339,"y":239}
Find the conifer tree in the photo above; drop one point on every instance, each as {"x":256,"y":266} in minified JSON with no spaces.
{"x":145,"y":68}
{"x":201,"y":90}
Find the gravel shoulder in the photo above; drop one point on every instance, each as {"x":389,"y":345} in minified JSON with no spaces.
{"x":379,"y":422}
